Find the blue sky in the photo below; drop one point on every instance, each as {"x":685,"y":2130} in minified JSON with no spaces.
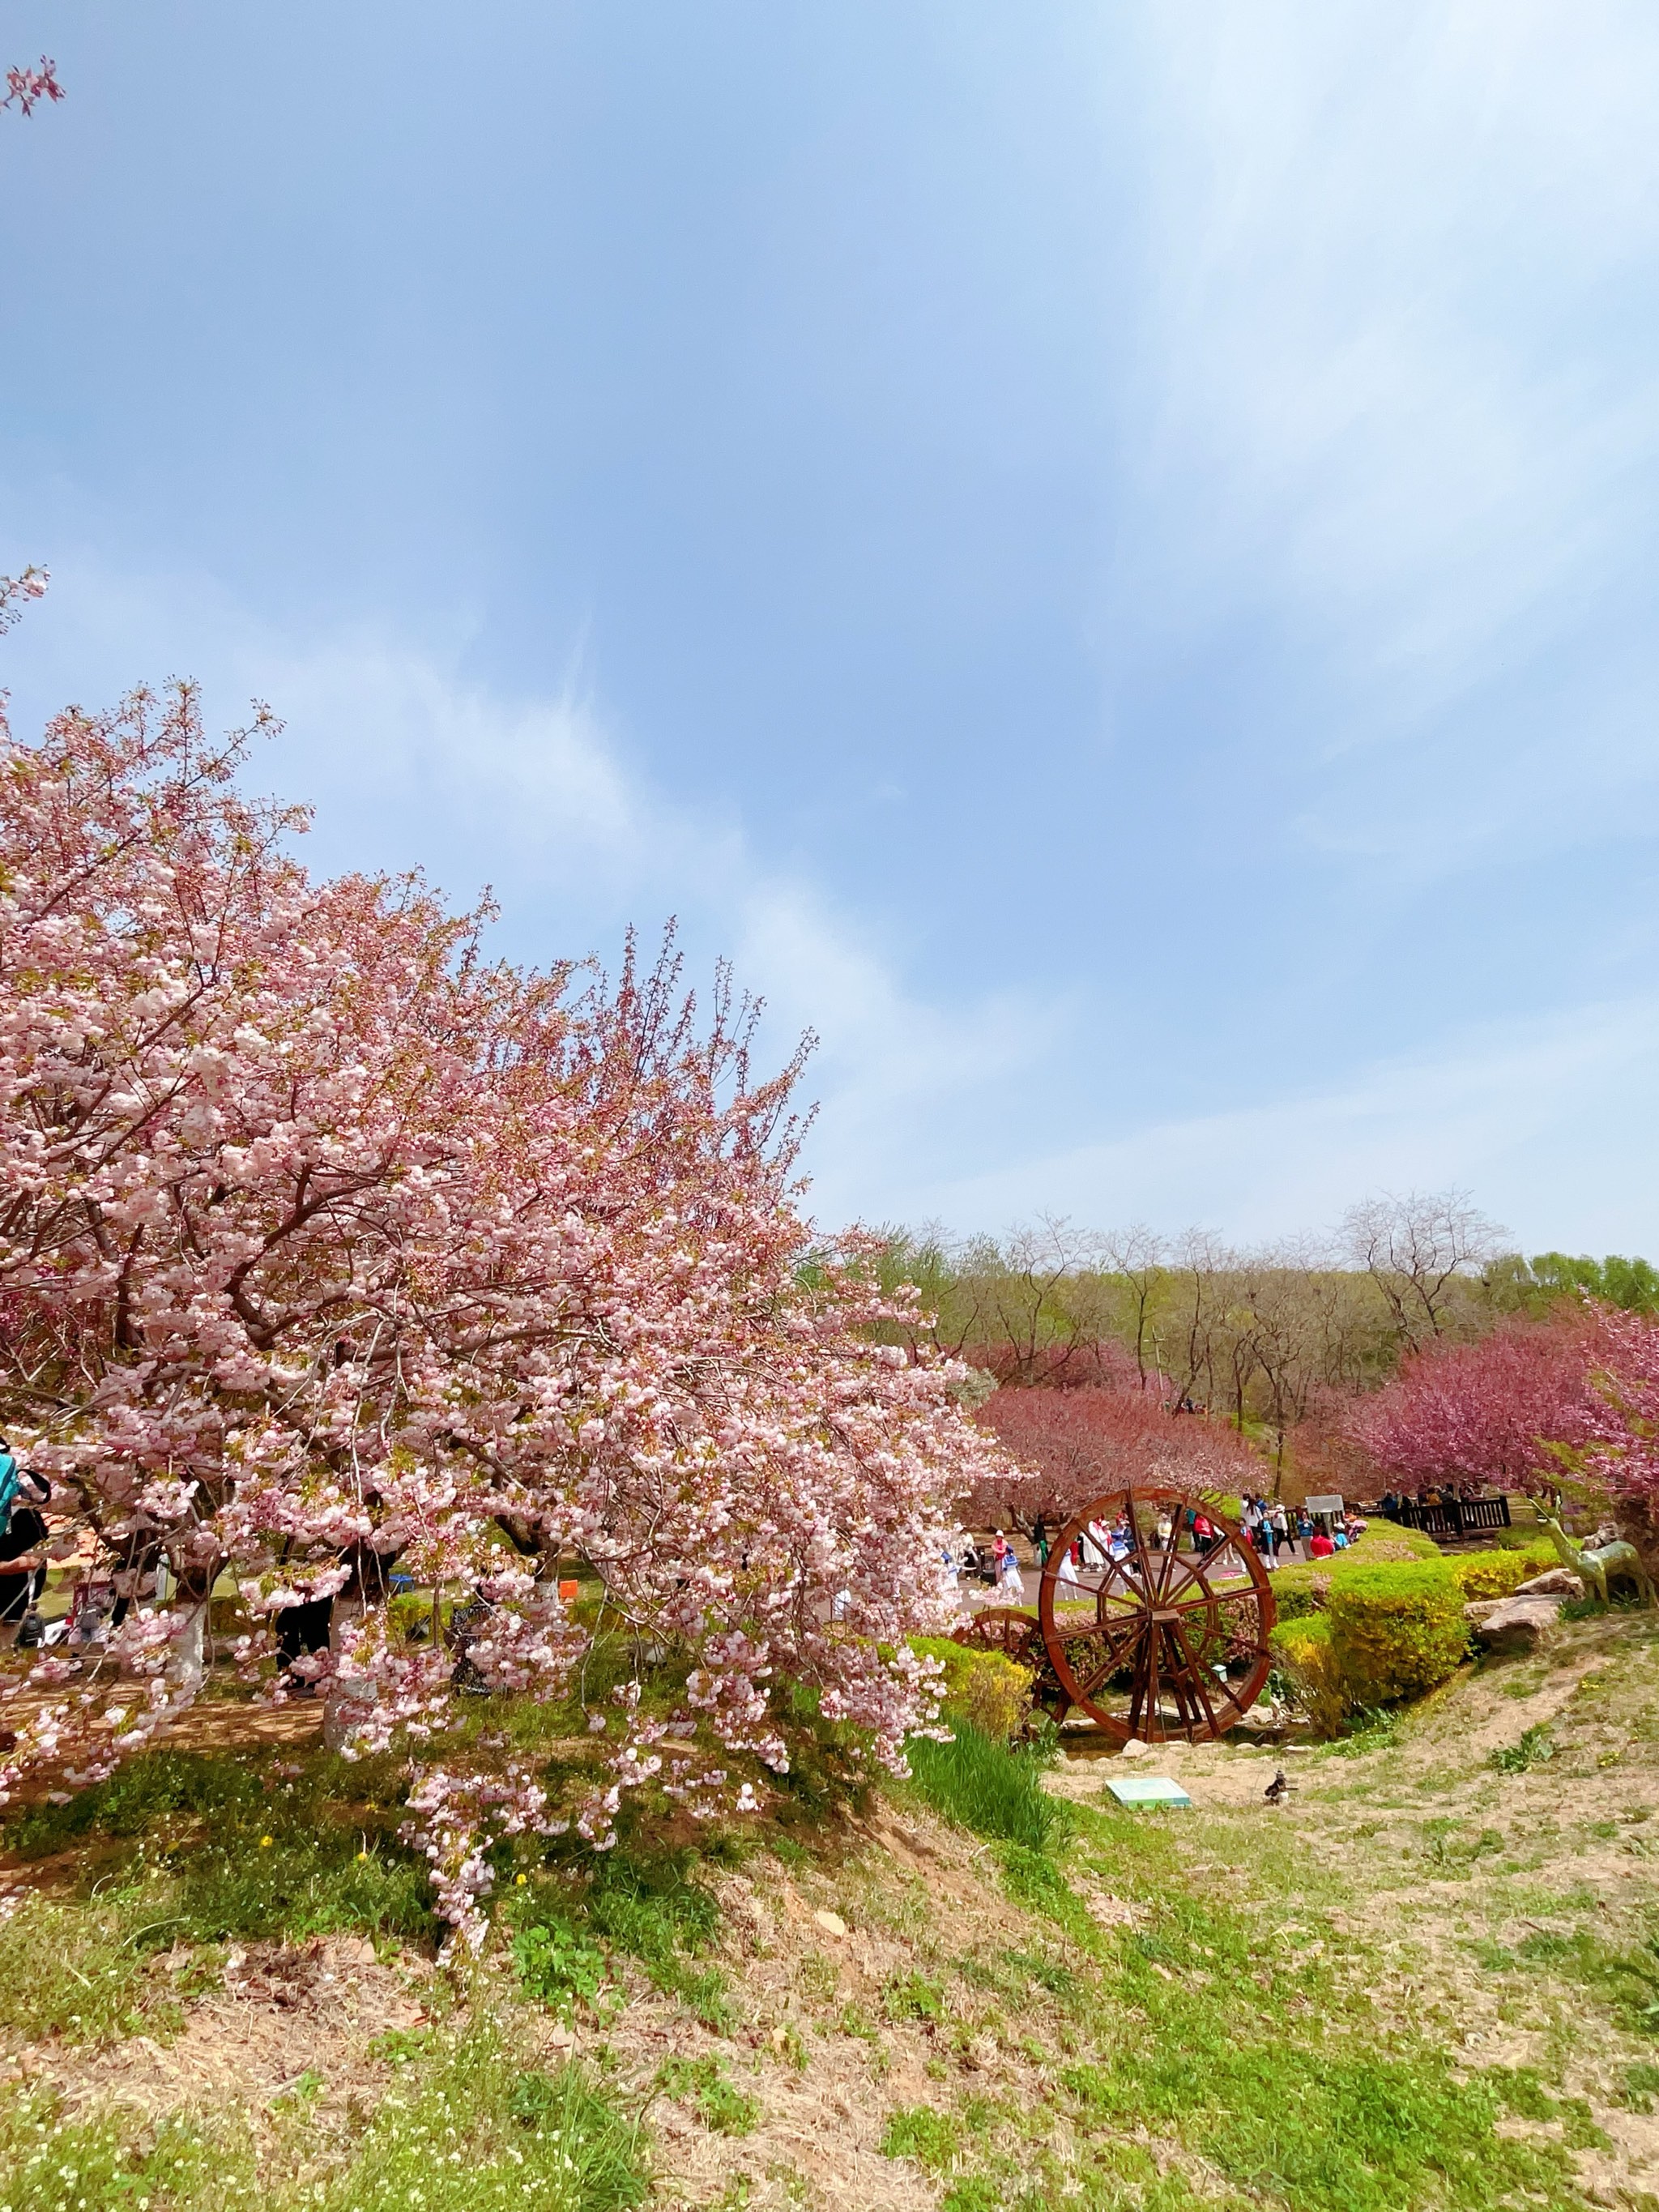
{"x":1106,"y":556}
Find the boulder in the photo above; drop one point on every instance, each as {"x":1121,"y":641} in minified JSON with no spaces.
{"x":1514,"y":1624}
{"x":1554,"y":1581}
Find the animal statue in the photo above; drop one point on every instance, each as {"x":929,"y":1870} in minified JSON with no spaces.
{"x":1597,"y":1565}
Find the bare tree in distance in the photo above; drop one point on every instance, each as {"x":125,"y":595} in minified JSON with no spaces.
{"x":1418,"y":1249}
{"x":1201,"y":1277}
{"x":1035,"y":1262}
{"x":1136,"y":1257}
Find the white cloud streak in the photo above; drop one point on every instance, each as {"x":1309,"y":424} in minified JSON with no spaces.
{"x":1396,"y":403}
{"x":1487,"y":1112}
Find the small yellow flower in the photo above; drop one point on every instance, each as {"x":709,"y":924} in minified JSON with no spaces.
{"x":265,"y":1843}
{"x":521,"y":1882}
{"x":362,"y":1858}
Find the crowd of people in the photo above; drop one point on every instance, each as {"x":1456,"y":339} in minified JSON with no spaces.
{"x":1279,"y":1534}
{"x":1432,"y":1493}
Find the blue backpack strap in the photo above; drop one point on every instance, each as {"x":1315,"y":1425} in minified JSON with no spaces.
{"x":11,"y":1481}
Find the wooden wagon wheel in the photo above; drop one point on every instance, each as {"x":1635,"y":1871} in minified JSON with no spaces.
{"x":1156,"y":1644}
{"x":1017,"y":1636}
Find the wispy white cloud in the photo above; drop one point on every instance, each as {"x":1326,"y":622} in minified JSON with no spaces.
{"x":1395,"y":404}
{"x":1490,"y":1111}
{"x":1387,"y":411}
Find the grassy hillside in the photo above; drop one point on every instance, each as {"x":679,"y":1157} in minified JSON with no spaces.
{"x":1430,"y":1978}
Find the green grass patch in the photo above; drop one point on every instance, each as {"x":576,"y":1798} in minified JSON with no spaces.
{"x":223,"y":1849}
{"x":933,"y":2138}
{"x":651,"y":1906}
{"x":705,"y":2085}
{"x":470,"y":2132}
{"x":1536,"y":1745}
{"x":151,"y":1792}
{"x":475,"y":2132}
{"x":984,"y":1786}
{"x":1232,"y":2031}
{"x":913,"y":1997}
{"x":51,"y":2163}
{"x":556,"y":1962}
{"x":80,"y":1971}
{"x":1626,"y":1980}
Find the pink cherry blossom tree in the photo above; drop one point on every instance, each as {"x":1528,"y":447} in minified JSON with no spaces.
{"x":1488,"y":1412}
{"x":326,"y":1243}
{"x":1621,"y":1448}
{"x":1075,"y":1445}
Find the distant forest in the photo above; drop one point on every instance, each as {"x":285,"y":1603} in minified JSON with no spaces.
{"x":1279,"y":1340}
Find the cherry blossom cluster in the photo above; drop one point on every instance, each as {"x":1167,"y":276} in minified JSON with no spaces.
{"x":329,"y":1246}
{"x":26,"y":88}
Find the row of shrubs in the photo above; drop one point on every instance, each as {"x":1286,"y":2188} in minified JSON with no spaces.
{"x":1300,"y":1589}
{"x":1374,"y":1631}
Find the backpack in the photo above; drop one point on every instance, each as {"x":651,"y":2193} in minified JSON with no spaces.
{"x":11,"y":1481}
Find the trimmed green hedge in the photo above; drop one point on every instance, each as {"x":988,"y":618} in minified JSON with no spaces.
{"x":1397,"y":1630}
{"x":1301,"y":1589}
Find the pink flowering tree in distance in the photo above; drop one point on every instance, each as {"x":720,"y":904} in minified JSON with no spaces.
{"x":1620,"y":1454}
{"x":1075,"y":1445}
{"x":329,"y":1246}
{"x":1490,"y":1412}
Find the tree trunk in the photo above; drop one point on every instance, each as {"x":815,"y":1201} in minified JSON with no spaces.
{"x":189,"y":1660}
{"x":348,"y":1609}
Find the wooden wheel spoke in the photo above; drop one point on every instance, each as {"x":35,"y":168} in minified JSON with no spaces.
{"x":1195,"y":1675}
{"x":1137,"y":1656}
{"x":1126,"y":1605}
{"x":1191,"y":1572}
{"x":1172,"y":1566}
{"x":1109,"y":1633}
{"x":1095,"y":1657}
{"x":1214,"y":1601}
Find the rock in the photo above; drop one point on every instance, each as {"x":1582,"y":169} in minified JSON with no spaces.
{"x":831,"y":1922}
{"x":1135,"y":1749}
{"x":1554,"y":1581}
{"x":1514,"y":1624}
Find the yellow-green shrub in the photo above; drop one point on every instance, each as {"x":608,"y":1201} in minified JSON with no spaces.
{"x":1300,"y":1592}
{"x":1496,"y":1574}
{"x":1301,"y":1648}
{"x":1491,"y":1574}
{"x":986,"y":1688}
{"x":1395,"y":1630}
